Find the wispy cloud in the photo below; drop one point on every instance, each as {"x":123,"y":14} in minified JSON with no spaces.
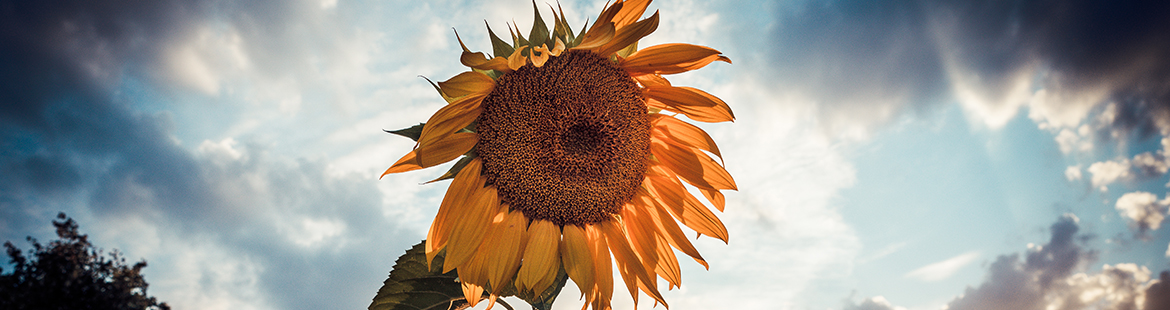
{"x":943,"y":269}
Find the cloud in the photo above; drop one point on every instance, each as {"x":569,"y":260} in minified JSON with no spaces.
{"x":1047,"y":278}
{"x":1073,"y":173}
{"x":1144,"y":209}
{"x":944,"y":269}
{"x":1106,"y":172}
{"x":872,"y":303}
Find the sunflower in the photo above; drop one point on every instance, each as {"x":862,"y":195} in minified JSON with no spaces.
{"x":573,"y":149}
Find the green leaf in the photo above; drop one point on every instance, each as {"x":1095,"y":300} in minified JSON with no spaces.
{"x":414,"y":132}
{"x":539,"y":33}
{"x":499,"y":47}
{"x":413,"y":286}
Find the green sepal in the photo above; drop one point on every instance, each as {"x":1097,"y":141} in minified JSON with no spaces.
{"x":499,"y":47}
{"x":577,"y":40}
{"x":446,"y":98}
{"x":517,"y":38}
{"x":412,"y":285}
{"x":451,"y":173}
{"x":561,"y":27}
{"x":545,"y":300}
{"x":414,"y":132}
{"x":539,"y":33}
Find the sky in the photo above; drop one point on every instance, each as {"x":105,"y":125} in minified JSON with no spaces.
{"x":889,"y":155}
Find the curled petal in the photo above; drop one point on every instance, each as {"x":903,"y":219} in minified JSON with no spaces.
{"x":671,"y":59}
{"x":517,"y":59}
{"x":558,"y":48}
{"x":539,"y":55}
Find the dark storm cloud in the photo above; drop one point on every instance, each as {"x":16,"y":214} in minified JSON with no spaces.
{"x":69,"y":141}
{"x":859,"y":58}
{"x":1047,"y":278}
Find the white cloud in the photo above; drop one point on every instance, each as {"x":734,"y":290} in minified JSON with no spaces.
{"x":943,"y":269}
{"x":1144,"y":209}
{"x":1073,"y":173}
{"x":873,"y":303}
{"x":1106,"y":172}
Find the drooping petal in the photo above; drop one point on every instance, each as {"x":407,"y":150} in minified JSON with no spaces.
{"x":480,"y":61}
{"x":469,"y":228}
{"x":668,"y":228}
{"x":466,"y":83}
{"x":505,"y":248}
{"x":518,"y":59}
{"x":541,"y":258}
{"x":445,"y":150}
{"x":599,"y":249}
{"x":715,"y":197}
{"x":671,"y":194}
{"x":625,"y":36}
{"x":648,"y":80}
{"x":671,"y":58}
{"x":540,"y":55}
{"x":606,"y":18}
{"x":684,"y":133}
{"x":629,"y":266}
{"x":558,"y":48}
{"x":692,"y":165}
{"x":695,"y":103}
{"x":667,"y":266}
{"x":602,"y":35}
{"x":454,"y":204}
{"x":450,"y":118}
{"x":472,"y":293}
{"x":577,"y":258}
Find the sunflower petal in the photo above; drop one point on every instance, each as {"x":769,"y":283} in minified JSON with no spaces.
{"x":684,"y":133}
{"x":467,"y":83}
{"x":694,"y":166}
{"x":505,"y":248}
{"x":408,"y":162}
{"x":669,"y":229}
{"x":629,"y":266}
{"x":449,"y":119}
{"x":577,"y":259}
{"x":648,"y":80}
{"x":667,"y":266}
{"x":671,"y":58}
{"x":626,"y":36}
{"x":606,"y":17}
{"x":541,"y":258}
{"x":689,"y":100}
{"x":472,"y":293}
{"x":469,"y":229}
{"x":538,"y":60}
{"x":603,"y":267}
{"x":454,"y":204}
{"x":446,"y":150}
{"x":688,"y":210}
{"x":517,"y":59}
{"x":558,"y":48}
{"x":630,"y":12}
{"x":596,"y":38}
{"x":715,"y":197}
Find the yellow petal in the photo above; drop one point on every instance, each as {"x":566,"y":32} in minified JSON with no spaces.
{"x":667,"y":266}
{"x":517,"y":59}
{"x":671,"y":194}
{"x":678,"y":131}
{"x":454,"y":204}
{"x":469,"y":228}
{"x":596,"y":38}
{"x":715,"y":197}
{"x":505,"y":249}
{"x":694,"y":166}
{"x":630,"y":12}
{"x":671,"y":58}
{"x":449,"y":119}
{"x":541,"y":258}
{"x":606,"y":18}
{"x":472,"y":293}
{"x":467,"y":83}
{"x":558,"y":48}
{"x":408,"y":162}
{"x":480,"y":61}
{"x":445,"y":150}
{"x":577,"y":258}
{"x":648,"y":80}
{"x":668,"y":228}
{"x":631,"y":269}
{"x":539,"y":55}
{"x":625,"y":36}
{"x":696,"y":104}
{"x":603,"y":267}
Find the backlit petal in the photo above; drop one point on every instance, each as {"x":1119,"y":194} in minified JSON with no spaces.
{"x":631,"y":269}
{"x":541,"y":257}
{"x":694,"y":166}
{"x":504,"y":249}
{"x":695,"y":103}
{"x":631,"y":11}
{"x":671,"y":58}
{"x":470,"y":228}
{"x":454,"y":204}
{"x":577,"y":258}
{"x":669,"y":229}
{"x":408,"y":162}
{"x":472,"y":293}
{"x":683,"y":133}
{"x":626,"y":36}
{"x":671,"y":194}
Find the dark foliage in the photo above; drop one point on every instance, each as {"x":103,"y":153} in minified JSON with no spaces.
{"x":69,"y":273}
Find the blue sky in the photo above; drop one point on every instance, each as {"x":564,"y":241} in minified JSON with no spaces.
{"x":890,"y":155}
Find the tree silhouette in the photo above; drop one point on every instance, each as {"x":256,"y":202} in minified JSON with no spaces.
{"x":70,"y":273}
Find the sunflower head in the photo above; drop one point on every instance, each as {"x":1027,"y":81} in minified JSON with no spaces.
{"x":572,"y":152}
